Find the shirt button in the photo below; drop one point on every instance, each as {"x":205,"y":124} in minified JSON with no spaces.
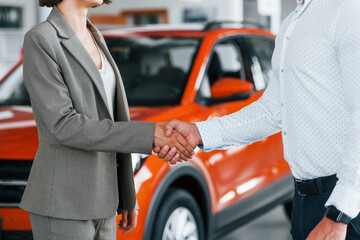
{"x":287,"y":38}
{"x":284,"y":132}
{"x":282,"y":70}
{"x":282,"y":104}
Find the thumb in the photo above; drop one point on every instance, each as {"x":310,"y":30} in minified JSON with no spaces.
{"x":170,"y":126}
{"x":156,"y":150}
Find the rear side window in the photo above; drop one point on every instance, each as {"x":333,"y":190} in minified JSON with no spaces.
{"x":261,"y":54}
{"x":230,"y":57}
{"x":226,"y":61}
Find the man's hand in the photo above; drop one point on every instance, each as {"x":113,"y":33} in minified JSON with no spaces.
{"x":328,"y":230}
{"x":179,"y":146}
{"x":188,"y":130}
{"x":129,"y":221}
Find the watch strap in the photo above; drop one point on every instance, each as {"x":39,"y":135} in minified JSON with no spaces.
{"x":335,"y":215}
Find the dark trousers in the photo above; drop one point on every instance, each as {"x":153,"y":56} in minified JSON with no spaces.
{"x":308,"y":211}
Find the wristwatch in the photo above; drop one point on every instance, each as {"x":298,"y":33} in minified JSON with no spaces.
{"x":335,"y":215}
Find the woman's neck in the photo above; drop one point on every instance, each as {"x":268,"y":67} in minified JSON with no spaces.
{"x":75,"y":15}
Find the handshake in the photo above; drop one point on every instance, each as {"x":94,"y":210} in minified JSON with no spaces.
{"x":175,"y":141}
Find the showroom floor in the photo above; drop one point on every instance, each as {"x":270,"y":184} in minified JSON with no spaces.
{"x":273,"y":224}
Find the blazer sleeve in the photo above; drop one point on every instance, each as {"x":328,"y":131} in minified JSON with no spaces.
{"x":54,"y":109}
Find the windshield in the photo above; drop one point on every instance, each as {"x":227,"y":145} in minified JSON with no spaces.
{"x":154,"y":70}
{"x":12,"y":89}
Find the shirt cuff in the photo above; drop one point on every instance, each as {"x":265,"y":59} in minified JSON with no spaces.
{"x":210,"y":135}
{"x":345,"y":199}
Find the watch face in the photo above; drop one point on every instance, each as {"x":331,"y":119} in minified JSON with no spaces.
{"x":332,"y":214}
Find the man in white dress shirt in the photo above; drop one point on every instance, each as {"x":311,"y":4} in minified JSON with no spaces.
{"x":314,"y":99}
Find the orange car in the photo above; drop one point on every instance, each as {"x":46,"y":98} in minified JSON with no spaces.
{"x":190,"y":74}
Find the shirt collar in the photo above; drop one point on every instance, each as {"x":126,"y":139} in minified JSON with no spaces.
{"x":299,"y":2}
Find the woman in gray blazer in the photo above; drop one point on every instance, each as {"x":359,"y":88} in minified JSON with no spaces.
{"x":82,"y":173}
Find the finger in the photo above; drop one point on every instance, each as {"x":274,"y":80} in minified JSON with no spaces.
{"x":164,"y":151}
{"x":186,"y":144}
{"x":177,"y":158}
{"x":124,"y":221}
{"x":170,"y":154}
{"x":120,"y":225}
{"x":132,"y":223}
{"x":183,"y":151}
{"x":182,"y":160}
{"x":129,"y":229}
{"x":156,"y":150}
{"x":121,"y":222}
{"x":182,"y":156}
{"x":170,"y":126}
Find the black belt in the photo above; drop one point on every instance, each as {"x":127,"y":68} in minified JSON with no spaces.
{"x":315,"y":186}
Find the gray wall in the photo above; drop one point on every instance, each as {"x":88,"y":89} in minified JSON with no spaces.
{"x":11,"y":40}
{"x":287,"y":6}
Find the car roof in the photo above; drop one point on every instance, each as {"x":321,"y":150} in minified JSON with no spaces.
{"x":171,"y":30}
{"x":184,"y":30}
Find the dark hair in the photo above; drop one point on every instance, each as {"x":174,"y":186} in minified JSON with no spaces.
{"x":51,"y":3}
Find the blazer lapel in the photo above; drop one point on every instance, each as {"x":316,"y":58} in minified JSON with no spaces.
{"x":121,"y":104}
{"x":76,"y":48}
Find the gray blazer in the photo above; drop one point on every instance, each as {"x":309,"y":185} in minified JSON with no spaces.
{"x":82,"y":169}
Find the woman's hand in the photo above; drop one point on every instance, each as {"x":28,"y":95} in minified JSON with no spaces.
{"x":129,"y":221}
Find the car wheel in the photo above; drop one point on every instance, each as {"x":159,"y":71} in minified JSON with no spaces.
{"x":288,"y":209}
{"x":178,"y":218}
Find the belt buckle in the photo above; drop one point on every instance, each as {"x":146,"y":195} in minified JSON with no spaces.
{"x":302,"y":194}
{"x":298,"y":182}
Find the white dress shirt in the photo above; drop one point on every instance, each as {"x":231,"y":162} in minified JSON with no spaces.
{"x":313,"y":98}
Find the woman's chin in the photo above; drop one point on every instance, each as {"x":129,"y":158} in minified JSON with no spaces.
{"x":93,"y":3}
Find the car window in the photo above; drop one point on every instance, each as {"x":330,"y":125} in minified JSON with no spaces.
{"x":13,"y":91}
{"x":261,"y":54}
{"x":226,"y":61}
{"x":154,"y":70}
{"x":230,"y":57}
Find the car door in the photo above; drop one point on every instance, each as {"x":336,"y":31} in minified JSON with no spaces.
{"x":238,"y":172}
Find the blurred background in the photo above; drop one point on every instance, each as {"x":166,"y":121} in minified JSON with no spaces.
{"x":18,"y":16}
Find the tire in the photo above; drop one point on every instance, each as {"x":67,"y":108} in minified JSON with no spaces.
{"x":179,"y":209}
{"x":288,"y":209}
